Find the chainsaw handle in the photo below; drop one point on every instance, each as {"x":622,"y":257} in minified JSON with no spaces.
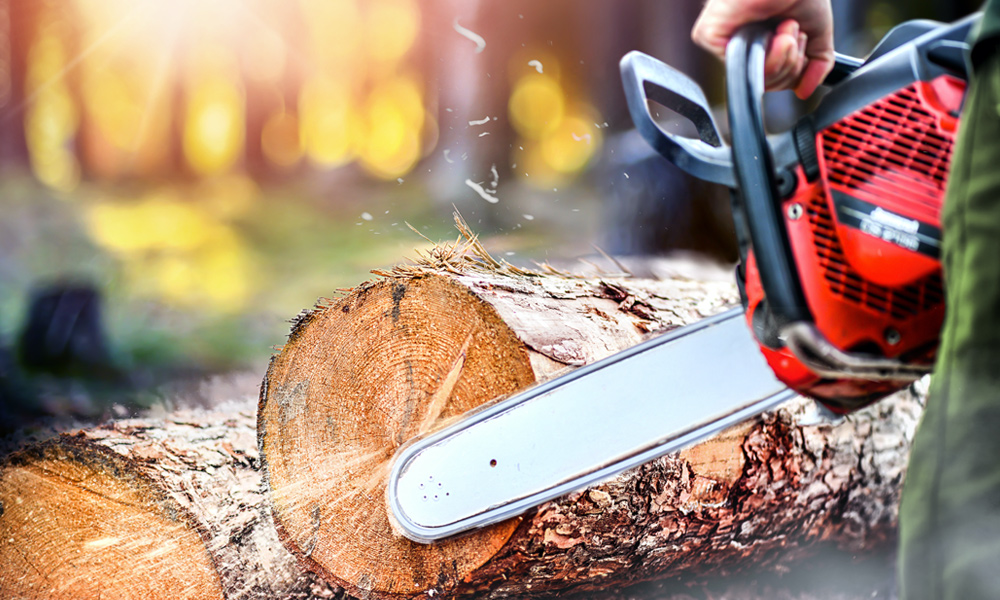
{"x":756,"y":179}
{"x":843,"y":67}
{"x":646,"y":78}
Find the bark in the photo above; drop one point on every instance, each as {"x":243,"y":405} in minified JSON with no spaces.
{"x":146,"y":508}
{"x":393,"y":359}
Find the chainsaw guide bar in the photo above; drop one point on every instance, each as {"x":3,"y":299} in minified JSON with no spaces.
{"x":582,"y":428}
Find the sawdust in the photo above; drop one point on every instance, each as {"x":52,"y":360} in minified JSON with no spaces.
{"x":466,"y":255}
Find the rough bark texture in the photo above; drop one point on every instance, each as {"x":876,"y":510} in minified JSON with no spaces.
{"x":146,"y":508}
{"x":363,"y":374}
{"x":799,"y":485}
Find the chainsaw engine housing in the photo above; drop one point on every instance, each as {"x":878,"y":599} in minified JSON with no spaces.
{"x":865,"y":235}
{"x":839,"y":219}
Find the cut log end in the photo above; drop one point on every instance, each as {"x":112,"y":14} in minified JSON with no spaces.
{"x":79,"y":521}
{"x":356,"y":381}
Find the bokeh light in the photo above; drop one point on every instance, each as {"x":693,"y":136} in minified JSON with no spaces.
{"x":190,"y":105}
{"x":392,"y":27}
{"x":175,"y":250}
{"x":395,"y":118}
{"x":560,"y":136}
{"x":571,"y":145}
{"x":330,"y":125}
{"x":52,"y":118}
{"x":537,"y":105}
{"x":214,"y":112}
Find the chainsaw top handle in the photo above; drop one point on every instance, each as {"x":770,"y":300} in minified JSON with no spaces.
{"x":705,"y":157}
{"x":646,"y":78}
{"x":748,"y":166}
{"x":755,"y":174}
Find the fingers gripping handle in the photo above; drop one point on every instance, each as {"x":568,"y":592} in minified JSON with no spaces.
{"x":646,"y":78}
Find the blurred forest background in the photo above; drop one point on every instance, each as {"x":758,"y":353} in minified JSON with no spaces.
{"x":178,"y":179}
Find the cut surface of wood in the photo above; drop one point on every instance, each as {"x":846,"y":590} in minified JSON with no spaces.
{"x":354,"y":382}
{"x":77,"y":521}
{"x":155,"y":507}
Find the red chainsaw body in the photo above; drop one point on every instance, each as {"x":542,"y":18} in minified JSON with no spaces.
{"x":865,"y":236}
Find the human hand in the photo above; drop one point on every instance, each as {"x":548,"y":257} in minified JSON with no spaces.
{"x":801,"y":52}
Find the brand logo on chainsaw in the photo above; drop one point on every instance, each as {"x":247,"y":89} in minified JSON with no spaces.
{"x":888,"y":226}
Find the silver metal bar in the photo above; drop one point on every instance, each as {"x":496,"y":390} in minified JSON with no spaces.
{"x":582,"y":428}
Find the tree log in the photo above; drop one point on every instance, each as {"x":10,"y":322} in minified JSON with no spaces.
{"x":393,"y":359}
{"x":146,"y":508}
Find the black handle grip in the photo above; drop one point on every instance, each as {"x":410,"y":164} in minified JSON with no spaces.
{"x":646,"y":78}
{"x":843,"y":67}
{"x":755,"y":175}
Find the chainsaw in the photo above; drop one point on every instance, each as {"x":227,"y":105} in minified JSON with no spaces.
{"x":839,"y":229}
